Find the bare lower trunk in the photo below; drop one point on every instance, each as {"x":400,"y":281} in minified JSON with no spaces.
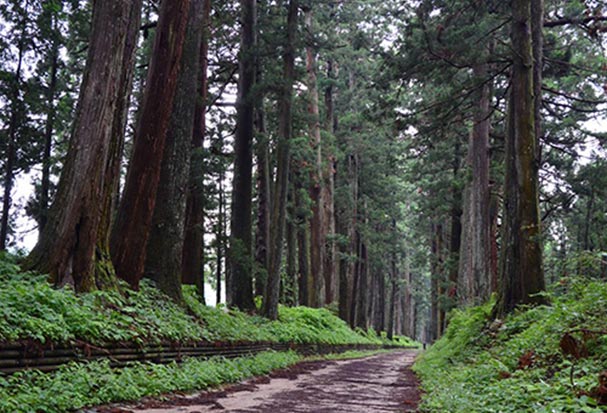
{"x":474,"y":284}
{"x":73,"y":246}
{"x":282,"y":170}
{"x":45,"y":185}
{"x":521,"y":269}
{"x":240,"y":254}
{"x":134,"y":219}
{"x":192,"y":267}
{"x":317,"y":226}
{"x":163,"y":262}
{"x":264,"y":196}
{"x":327,"y":199}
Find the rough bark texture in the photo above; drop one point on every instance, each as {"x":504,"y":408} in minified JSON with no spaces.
{"x":72,"y":248}
{"x":163,"y":262}
{"x":240,"y":254}
{"x":317,"y":225}
{"x":282,"y":171}
{"x":521,"y":268}
{"x":134,"y":219}
{"x":474,"y":284}
{"x":192,"y":257}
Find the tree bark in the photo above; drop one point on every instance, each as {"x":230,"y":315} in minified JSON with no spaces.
{"x":192,"y":266}
{"x":164,"y":255}
{"x":521,"y":268}
{"x":241,"y":261}
{"x":347,"y":223}
{"x":264,"y":196}
{"x":282,"y":171}
{"x":317,"y":225}
{"x":327,"y":199}
{"x":474,"y":284}
{"x":134,"y":219}
{"x":48,"y":133}
{"x":73,"y":247}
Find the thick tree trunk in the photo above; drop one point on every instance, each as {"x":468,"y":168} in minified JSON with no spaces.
{"x":241,"y":260}
{"x":317,"y":225}
{"x":192,"y":267}
{"x":164,"y":255}
{"x":521,"y":269}
{"x":282,"y":170}
{"x":134,"y":219}
{"x":73,"y":247}
{"x":474,"y":284}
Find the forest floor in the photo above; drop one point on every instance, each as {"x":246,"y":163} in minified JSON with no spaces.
{"x":381,"y":383}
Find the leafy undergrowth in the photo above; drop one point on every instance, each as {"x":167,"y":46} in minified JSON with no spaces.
{"x":30,"y":308}
{"x":79,"y":385}
{"x":544,"y":359}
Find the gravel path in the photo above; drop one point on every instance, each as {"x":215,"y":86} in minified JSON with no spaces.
{"x":378,"y":384}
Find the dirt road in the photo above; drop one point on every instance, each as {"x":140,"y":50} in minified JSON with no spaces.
{"x":377,"y":384}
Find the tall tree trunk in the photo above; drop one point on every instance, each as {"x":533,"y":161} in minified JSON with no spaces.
{"x":192,"y":266}
{"x":11,"y":158}
{"x":327,"y":200}
{"x":282,"y":170}
{"x":134,"y":219}
{"x":347,"y":223}
{"x":73,"y":247}
{"x":220,"y":238}
{"x":521,"y":269}
{"x":393,"y":295}
{"x":241,"y":261}
{"x":164,"y":255}
{"x":474,"y":284}
{"x":317,"y":226}
{"x":363,"y":289}
{"x":437,"y":312}
{"x":48,"y":132}
{"x":264,"y":197}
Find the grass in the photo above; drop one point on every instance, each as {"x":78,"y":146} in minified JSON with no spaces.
{"x":31,"y":308}
{"x":518,"y":365}
{"x":79,"y":385}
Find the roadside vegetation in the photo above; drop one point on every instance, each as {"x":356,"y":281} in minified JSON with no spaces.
{"x":546,"y":359}
{"x":32,"y":309}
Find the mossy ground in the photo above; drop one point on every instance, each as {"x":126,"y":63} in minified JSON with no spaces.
{"x":517,"y":364}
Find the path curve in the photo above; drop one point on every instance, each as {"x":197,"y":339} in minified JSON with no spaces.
{"x":378,"y":384}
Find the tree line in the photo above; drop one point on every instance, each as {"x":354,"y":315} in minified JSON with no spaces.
{"x":390,"y":161}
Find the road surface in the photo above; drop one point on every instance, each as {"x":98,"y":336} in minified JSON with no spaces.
{"x":377,"y":384}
